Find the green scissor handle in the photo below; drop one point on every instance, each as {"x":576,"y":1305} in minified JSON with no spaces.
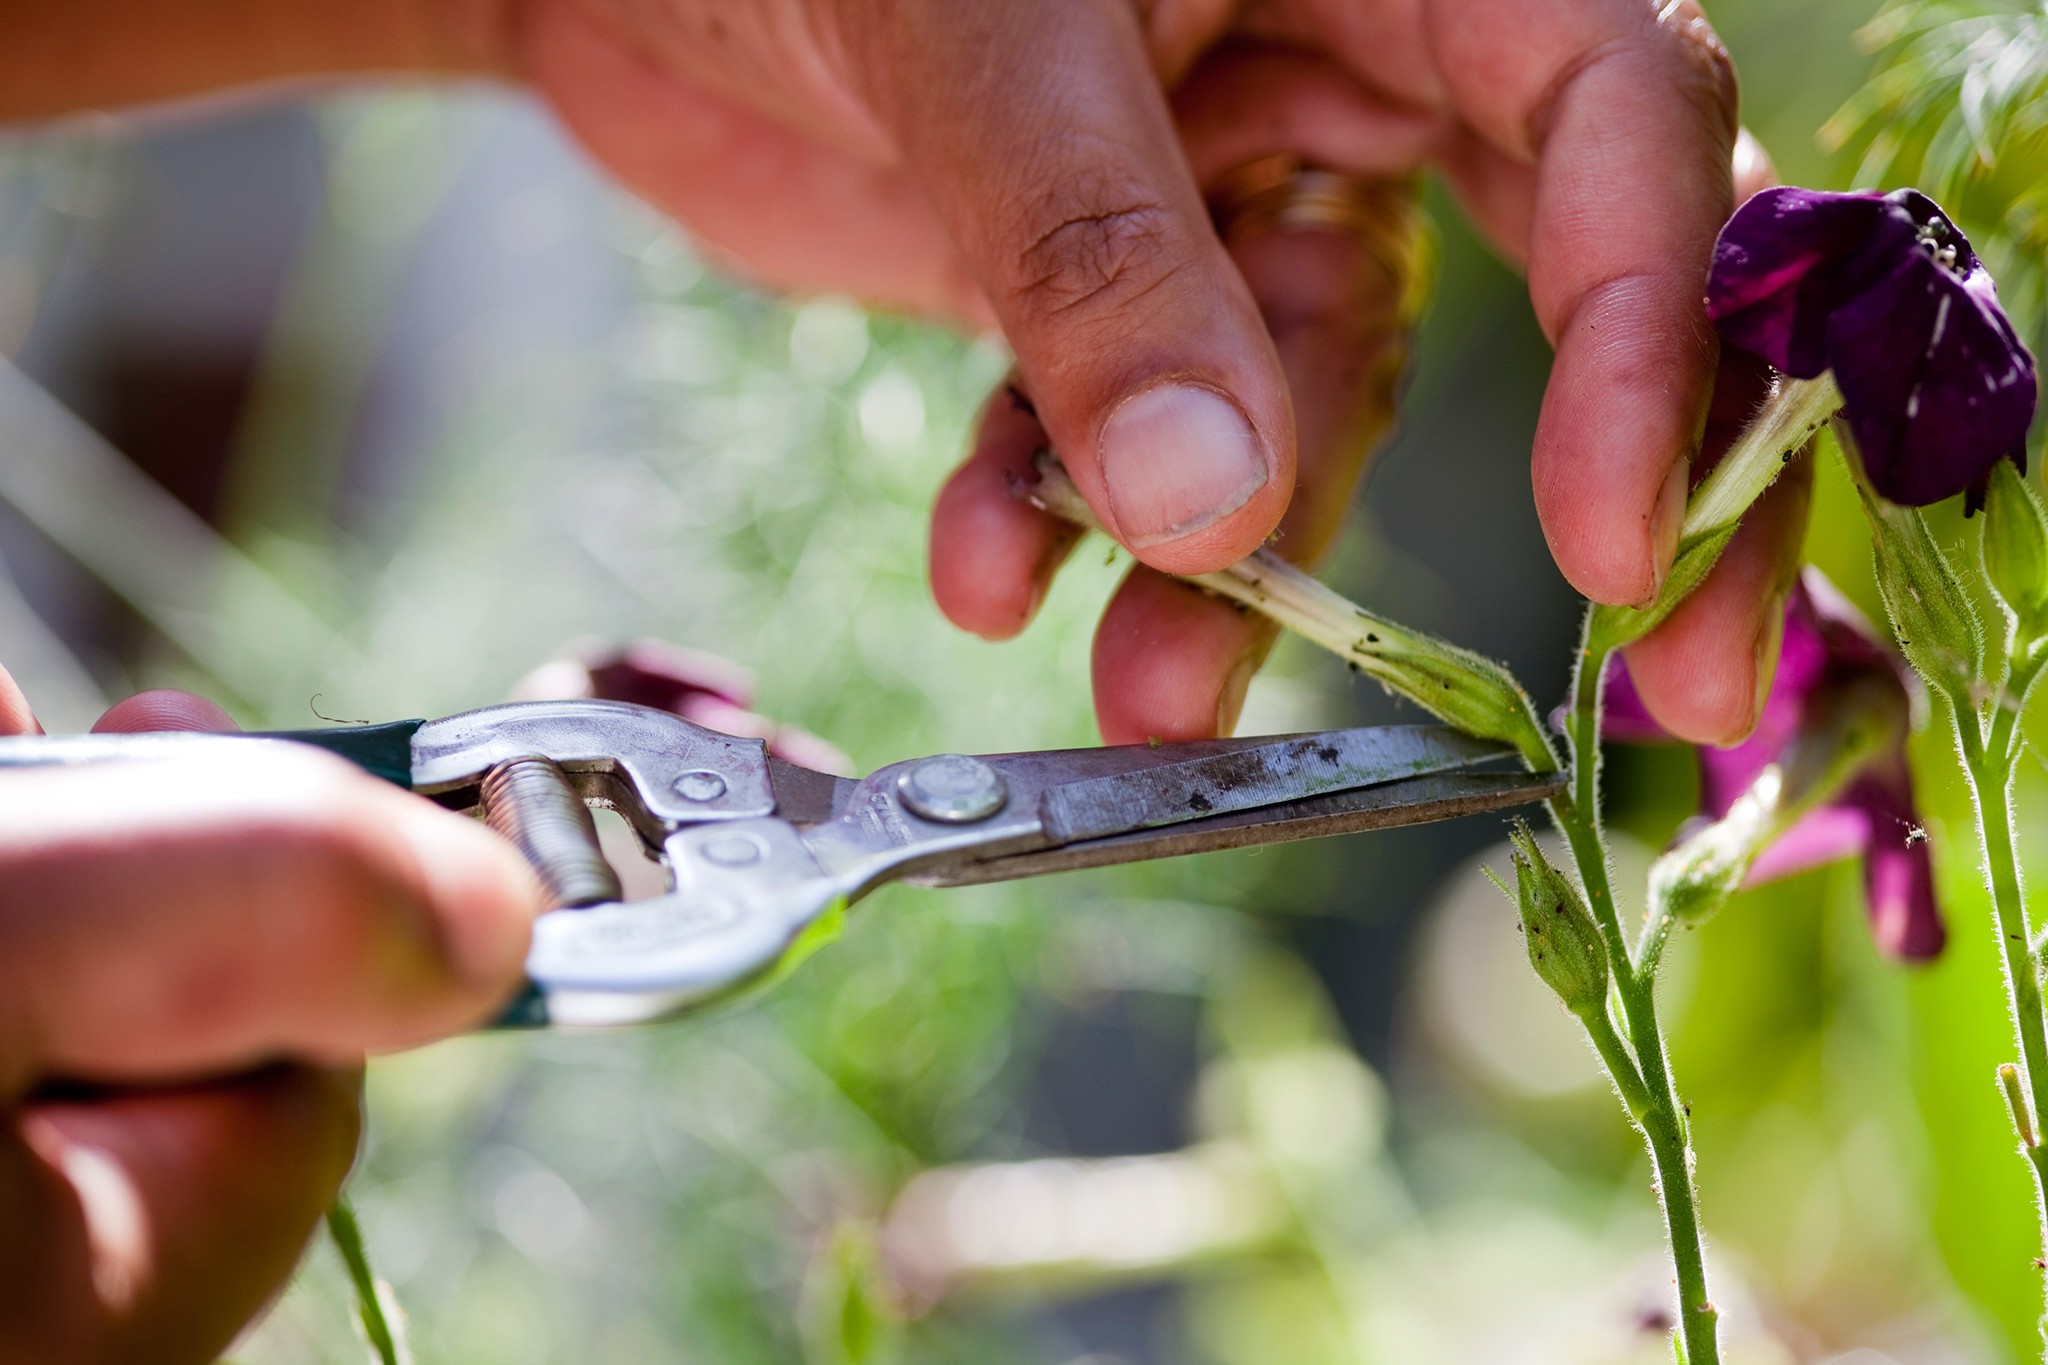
{"x":381,"y":750}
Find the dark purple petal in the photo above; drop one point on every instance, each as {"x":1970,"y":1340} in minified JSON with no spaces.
{"x":1885,"y":292}
{"x":1936,"y":386}
{"x":666,"y":677}
{"x":701,"y":688}
{"x":1776,"y":264}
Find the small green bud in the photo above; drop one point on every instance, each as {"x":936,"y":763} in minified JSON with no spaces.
{"x":2014,"y":541}
{"x":1937,"y":628}
{"x":1689,"y":884}
{"x":1564,"y":943}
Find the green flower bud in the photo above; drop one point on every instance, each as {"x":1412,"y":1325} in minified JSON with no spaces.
{"x":2013,"y":536}
{"x":1689,"y":884}
{"x":1565,"y":946}
{"x":1459,"y":687}
{"x":1937,"y":628}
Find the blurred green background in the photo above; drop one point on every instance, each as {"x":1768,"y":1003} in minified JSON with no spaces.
{"x":374,"y":402}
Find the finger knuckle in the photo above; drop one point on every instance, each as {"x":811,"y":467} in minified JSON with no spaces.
{"x":1706,"y":71}
{"x":1092,"y":247}
{"x":1677,"y":51}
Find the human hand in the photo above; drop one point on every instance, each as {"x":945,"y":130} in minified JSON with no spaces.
{"x":193,"y":961}
{"x":1040,"y":166}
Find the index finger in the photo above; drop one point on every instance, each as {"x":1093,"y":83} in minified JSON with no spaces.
{"x":1627,"y":109}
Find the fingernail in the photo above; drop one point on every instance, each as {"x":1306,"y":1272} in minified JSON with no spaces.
{"x":1666,"y":523}
{"x":1177,"y":458}
{"x":1230,"y":703}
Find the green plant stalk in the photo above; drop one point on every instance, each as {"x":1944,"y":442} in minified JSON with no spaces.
{"x":1781,"y":427}
{"x":1988,"y":740}
{"x":1398,"y":657}
{"x":1662,"y":1119}
{"x":347,"y":1234}
{"x":1621,"y":1067}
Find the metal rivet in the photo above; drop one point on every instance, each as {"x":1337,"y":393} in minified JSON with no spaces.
{"x":731,"y":850}
{"x":952,"y":789}
{"x":699,"y":785}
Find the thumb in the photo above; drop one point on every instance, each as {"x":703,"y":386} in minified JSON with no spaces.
{"x":1041,"y":136}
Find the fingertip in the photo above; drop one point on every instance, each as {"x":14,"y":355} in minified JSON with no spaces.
{"x":1171,"y":662}
{"x":1700,"y":685}
{"x":1753,"y":171}
{"x":164,"y":708}
{"x":1622,"y":421}
{"x":1668,"y":520}
{"x":993,"y":556}
{"x":16,"y":716}
{"x":1706,"y":673}
{"x":189,"y":1205}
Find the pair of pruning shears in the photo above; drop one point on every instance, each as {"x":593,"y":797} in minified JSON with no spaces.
{"x":760,"y":852}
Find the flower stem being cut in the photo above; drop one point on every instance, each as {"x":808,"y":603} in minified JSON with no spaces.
{"x":1481,"y":696}
{"x":1464,"y":689}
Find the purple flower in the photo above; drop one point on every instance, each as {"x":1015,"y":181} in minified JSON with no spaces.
{"x":1885,"y":292}
{"x":1829,"y":652}
{"x":701,"y":688}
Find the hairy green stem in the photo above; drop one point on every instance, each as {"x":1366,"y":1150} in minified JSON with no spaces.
{"x":1662,"y":1119}
{"x":1990,"y":745}
{"x":348,"y":1240}
{"x":1621,"y":1067}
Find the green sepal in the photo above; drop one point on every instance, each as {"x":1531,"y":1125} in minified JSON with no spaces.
{"x":2013,"y":542}
{"x":1936,"y":625}
{"x":1458,"y":686}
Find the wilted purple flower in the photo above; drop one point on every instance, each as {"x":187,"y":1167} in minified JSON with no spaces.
{"x":1829,"y":650}
{"x":1885,"y":292}
{"x":701,"y":688}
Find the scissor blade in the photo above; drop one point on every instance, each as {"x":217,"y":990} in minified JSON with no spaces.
{"x":1288,"y":769}
{"x":1410,"y":801}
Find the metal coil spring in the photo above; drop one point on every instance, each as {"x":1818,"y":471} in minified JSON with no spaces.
{"x":531,"y":802}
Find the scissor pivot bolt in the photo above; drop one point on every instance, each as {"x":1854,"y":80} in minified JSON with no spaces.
{"x":952,"y":789}
{"x":731,"y":850}
{"x":700,"y":785}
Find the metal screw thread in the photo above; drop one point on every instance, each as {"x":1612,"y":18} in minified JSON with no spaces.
{"x":531,"y":803}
